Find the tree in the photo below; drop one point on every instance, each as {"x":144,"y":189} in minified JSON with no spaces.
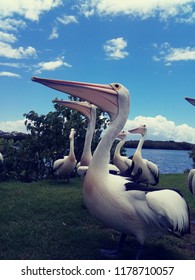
{"x":48,"y":139}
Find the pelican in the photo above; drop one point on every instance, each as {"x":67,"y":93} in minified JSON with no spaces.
{"x":191,"y":175}
{"x":122,"y":162}
{"x":89,"y":111}
{"x":64,"y":167}
{"x":115,"y":201}
{"x":191,"y":181}
{"x":148,"y":171}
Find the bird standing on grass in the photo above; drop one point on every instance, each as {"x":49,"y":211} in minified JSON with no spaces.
{"x":115,"y":201}
{"x":122,"y":162}
{"x":63,"y":168}
{"x":147,"y":170}
{"x":89,"y":111}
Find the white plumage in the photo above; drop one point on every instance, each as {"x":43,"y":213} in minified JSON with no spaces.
{"x":64,"y":167}
{"x":191,"y":175}
{"x":147,"y":170}
{"x":1,"y":158}
{"x":191,"y":181}
{"x":122,"y":162}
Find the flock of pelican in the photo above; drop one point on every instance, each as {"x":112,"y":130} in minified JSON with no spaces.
{"x":125,"y":201}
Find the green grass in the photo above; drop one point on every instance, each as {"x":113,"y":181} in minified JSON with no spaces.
{"x":48,"y":220}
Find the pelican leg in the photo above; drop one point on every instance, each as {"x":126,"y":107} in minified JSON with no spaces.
{"x":115,"y":253}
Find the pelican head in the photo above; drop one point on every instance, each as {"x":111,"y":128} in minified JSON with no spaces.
{"x":72,"y":133}
{"x":83,"y":107}
{"x":141,"y":130}
{"x":122,"y":135}
{"x":104,"y":96}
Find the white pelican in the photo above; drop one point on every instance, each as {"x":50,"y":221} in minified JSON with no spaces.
{"x":191,"y":181}
{"x":64,"y":167}
{"x":89,"y":111}
{"x":112,"y":199}
{"x":191,"y":175}
{"x":144,"y":171}
{"x":122,"y":162}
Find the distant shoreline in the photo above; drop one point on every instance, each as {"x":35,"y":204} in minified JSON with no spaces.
{"x":164,"y":145}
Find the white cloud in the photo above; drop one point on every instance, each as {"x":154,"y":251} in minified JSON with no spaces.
{"x":182,"y":9}
{"x":176,"y":54}
{"x":9,"y":126}
{"x":169,"y":54}
{"x":67,"y":19}
{"x":12,"y":64}
{"x":9,"y":74}
{"x":160,"y":128}
{"x":6,"y":50}
{"x":114,"y":48}
{"x":7,"y":37}
{"x":54,"y":34}
{"x":11,"y":24}
{"x":31,"y":9}
{"x":51,"y":65}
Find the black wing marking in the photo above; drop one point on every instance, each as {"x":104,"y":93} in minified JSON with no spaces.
{"x":128,"y":173}
{"x":155,"y":176}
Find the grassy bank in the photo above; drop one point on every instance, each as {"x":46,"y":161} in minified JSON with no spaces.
{"x":47,"y":220}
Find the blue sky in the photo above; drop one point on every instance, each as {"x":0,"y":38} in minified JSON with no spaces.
{"x":149,"y":46}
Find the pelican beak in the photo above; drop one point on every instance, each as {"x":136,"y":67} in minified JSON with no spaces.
{"x":137,"y":130}
{"x":190,"y":100}
{"x":83,"y":107}
{"x":103,"y":96}
{"x":121,"y":135}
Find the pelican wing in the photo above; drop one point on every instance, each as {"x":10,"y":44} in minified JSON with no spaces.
{"x":175,"y":213}
{"x":58,"y":163}
{"x":154,"y":171}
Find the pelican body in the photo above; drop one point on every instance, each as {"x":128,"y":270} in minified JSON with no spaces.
{"x":63,"y":168}
{"x":147,"y":170}
{"x":115,"y":201}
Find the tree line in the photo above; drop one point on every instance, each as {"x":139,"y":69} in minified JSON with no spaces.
{"x":166,"y":145}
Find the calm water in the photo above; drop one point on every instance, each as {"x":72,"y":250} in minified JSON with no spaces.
{"x":168,"y":161}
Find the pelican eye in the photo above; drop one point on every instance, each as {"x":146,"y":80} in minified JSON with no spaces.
{"x":116,"y":86}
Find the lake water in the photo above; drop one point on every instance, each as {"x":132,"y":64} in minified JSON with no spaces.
{"x":168,"y":161}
